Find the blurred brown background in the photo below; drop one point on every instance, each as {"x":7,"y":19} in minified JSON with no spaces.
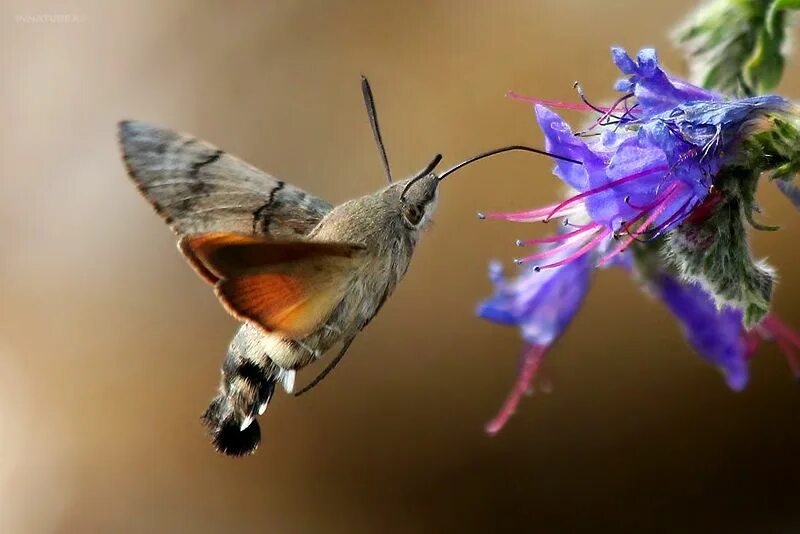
{"x":110,"y":346}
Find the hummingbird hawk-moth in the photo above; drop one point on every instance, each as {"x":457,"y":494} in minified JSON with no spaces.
{"x":301,"y":274}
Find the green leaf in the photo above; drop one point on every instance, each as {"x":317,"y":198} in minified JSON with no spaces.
{"x":786,"y":4}
{"x":763,"y":71}
{"x":736,"y":45}
{"x":778,"y":6}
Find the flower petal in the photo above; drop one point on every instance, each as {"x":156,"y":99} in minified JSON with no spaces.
{"x":623,"y":61}
{"x":715,"y":334}
{"x":655,"y":91}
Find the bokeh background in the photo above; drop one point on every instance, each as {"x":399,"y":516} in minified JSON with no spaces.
{"x":110,"y":346}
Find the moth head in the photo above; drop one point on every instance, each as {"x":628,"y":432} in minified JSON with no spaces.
{"x":419,"y":196}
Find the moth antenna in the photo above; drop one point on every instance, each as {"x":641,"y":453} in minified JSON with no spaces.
{"x":420,"y":175}
{"x":473,"y":159}
{"x":369,"y":102}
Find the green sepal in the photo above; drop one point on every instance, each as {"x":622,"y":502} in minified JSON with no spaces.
{"x":715,"y":251}
{"x":775,"y":151}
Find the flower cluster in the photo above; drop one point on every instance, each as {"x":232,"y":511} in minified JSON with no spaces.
{"x":666,"y":174}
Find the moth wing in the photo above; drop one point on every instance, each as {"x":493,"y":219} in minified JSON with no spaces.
{"x":282,"y":286}
{"x":198,"y":188}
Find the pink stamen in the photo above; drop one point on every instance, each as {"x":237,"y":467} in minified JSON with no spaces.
{"x":605,"y":187}
{"x":530,"y":364}
{"x":627,"y":227}
{"x":580,"y":252}
{"x":680,"y":212}
{"x":558,"y":237}
{"x":566,"y":222}
{"x":609,"y":111}
{"x":632,"y":235}
{"x":659,"y":199}
{"x":677,"y":214}
{"x":629,"y":110}
{"x":548,"y":253}
{"x":542,"y":214}
{"x":551,"y":103}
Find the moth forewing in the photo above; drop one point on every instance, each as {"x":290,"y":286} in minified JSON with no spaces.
{"x":198,"y":188}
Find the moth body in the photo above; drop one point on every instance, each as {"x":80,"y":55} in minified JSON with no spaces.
{"x":257,"y":361}
{"x":302,"y":276}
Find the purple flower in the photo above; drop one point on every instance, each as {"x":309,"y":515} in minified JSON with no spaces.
{"x":541,"y":304}
{"x":647,"y":163}
{"x":652,"y":163}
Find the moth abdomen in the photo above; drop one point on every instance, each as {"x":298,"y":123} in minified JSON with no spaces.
{"x":244,"y":393}
{"x":225,"y":431}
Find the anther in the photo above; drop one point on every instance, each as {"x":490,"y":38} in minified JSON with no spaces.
{"x":481,"y":215}
{"x":520,"y":243}
{"x":582,"y":95}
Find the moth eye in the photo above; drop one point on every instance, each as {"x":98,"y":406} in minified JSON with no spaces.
{"x":413,"y":214}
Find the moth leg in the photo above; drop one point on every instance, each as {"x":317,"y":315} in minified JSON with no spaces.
{"x":314,"y":352}
{"x":331,"y":366}
{"x":333,"y":329}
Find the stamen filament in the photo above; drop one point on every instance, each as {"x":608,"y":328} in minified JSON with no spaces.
{"x":551,"y":251}
{"x":543,"y":214}
{"x":659,"y":199}
{"x":580,"y":252}
{"x":660,"y":229}
{"x":607,"y":186}
{"x":582,"y":95}
{"x":608,"y":113}
{"x":551,"y":103}
{"x":530,"y":364}
{"x":627,"y":241}
{"x":557,"y":237}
